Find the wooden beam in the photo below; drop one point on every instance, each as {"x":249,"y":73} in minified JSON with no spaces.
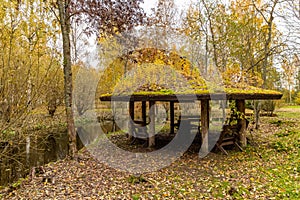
{"x":240,"y":104}
{"x":204,"y":125}
{"x":131,"y":119}
{"x":152,"y":124}
{"x":144,"y":113}
{"x":191,"y":97}
{"x":172,"y":117}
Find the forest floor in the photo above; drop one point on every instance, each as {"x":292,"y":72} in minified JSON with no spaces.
{"x":269,"y":168}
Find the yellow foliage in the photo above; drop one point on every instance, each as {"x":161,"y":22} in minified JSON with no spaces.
{"x":233,"y":77}
{"x":297,"y":99}
{"x":152,"y":70}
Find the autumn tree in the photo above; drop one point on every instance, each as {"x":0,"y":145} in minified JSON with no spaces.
{"x":290,"y":17}
{"x":287,"y":75}
{"x":105,"y":18}
{"x":196,"y":27}
{"x":163,"y":22}
{"x":26,"y":56}
{"x":84,"y":88}
{"x":296,"y":62}
{"x":267,"y":12}
{"x":289,"y":69}
{"x":54,"y":93}
{"x":240,"y":38}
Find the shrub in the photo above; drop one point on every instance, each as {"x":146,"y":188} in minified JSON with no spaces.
{"x":297,"y":99}
{"x":268,"y":106}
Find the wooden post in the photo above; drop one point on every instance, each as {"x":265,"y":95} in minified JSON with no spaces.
{"x":172,"y":117}
{"x":204,"y":124}
{"x":240,"y":104}
{"x":152,"y":124}
{"x":131,"y":119}
{"x":144,"y":115}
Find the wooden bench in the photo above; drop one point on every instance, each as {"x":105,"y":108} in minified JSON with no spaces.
{"x":188,"y":120}
{"x":139,"y":131}
{"x":227,"y":137}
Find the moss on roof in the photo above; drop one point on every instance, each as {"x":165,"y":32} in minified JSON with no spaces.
{"x":156,"y":72}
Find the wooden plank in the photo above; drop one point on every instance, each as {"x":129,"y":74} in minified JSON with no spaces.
{"x":240,"y":104}
{"x":172,"y":117}
{"x":131,"y":120}
{"x":204,"y":125}
{"x":151,"y":142}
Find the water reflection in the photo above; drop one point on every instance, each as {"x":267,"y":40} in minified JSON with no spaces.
{"x":18,"y":157}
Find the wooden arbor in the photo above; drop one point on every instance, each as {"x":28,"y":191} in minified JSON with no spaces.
{"x":203,"y":98}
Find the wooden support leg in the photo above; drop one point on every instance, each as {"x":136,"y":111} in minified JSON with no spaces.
{"x":152,"y":124}
{"x":130,"y":122}
{"x":240,"y":104}
{"x":144,"y":115}
{"x":204,"y":125}
{"x":172,"y":118}
{"x":222,"y":149}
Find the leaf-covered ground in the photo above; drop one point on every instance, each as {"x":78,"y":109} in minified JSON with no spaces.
{"x":269,"y":168}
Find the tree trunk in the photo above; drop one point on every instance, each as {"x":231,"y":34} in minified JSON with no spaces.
{"x":268,"y":41}
{"x":290,"y":94}
{"x":266,"y":54}
{"x":64,"y":17}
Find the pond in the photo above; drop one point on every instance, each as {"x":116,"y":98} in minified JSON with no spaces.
{"x":19,"y":156}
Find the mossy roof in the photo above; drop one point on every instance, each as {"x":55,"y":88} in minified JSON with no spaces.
{"x":158,"y":75}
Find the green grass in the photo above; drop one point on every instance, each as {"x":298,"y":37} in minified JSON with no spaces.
{"x":292,"y":106}
{"x":290,"y":115}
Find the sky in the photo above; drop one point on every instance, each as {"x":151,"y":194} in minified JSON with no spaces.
{"x":148,"y":4}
